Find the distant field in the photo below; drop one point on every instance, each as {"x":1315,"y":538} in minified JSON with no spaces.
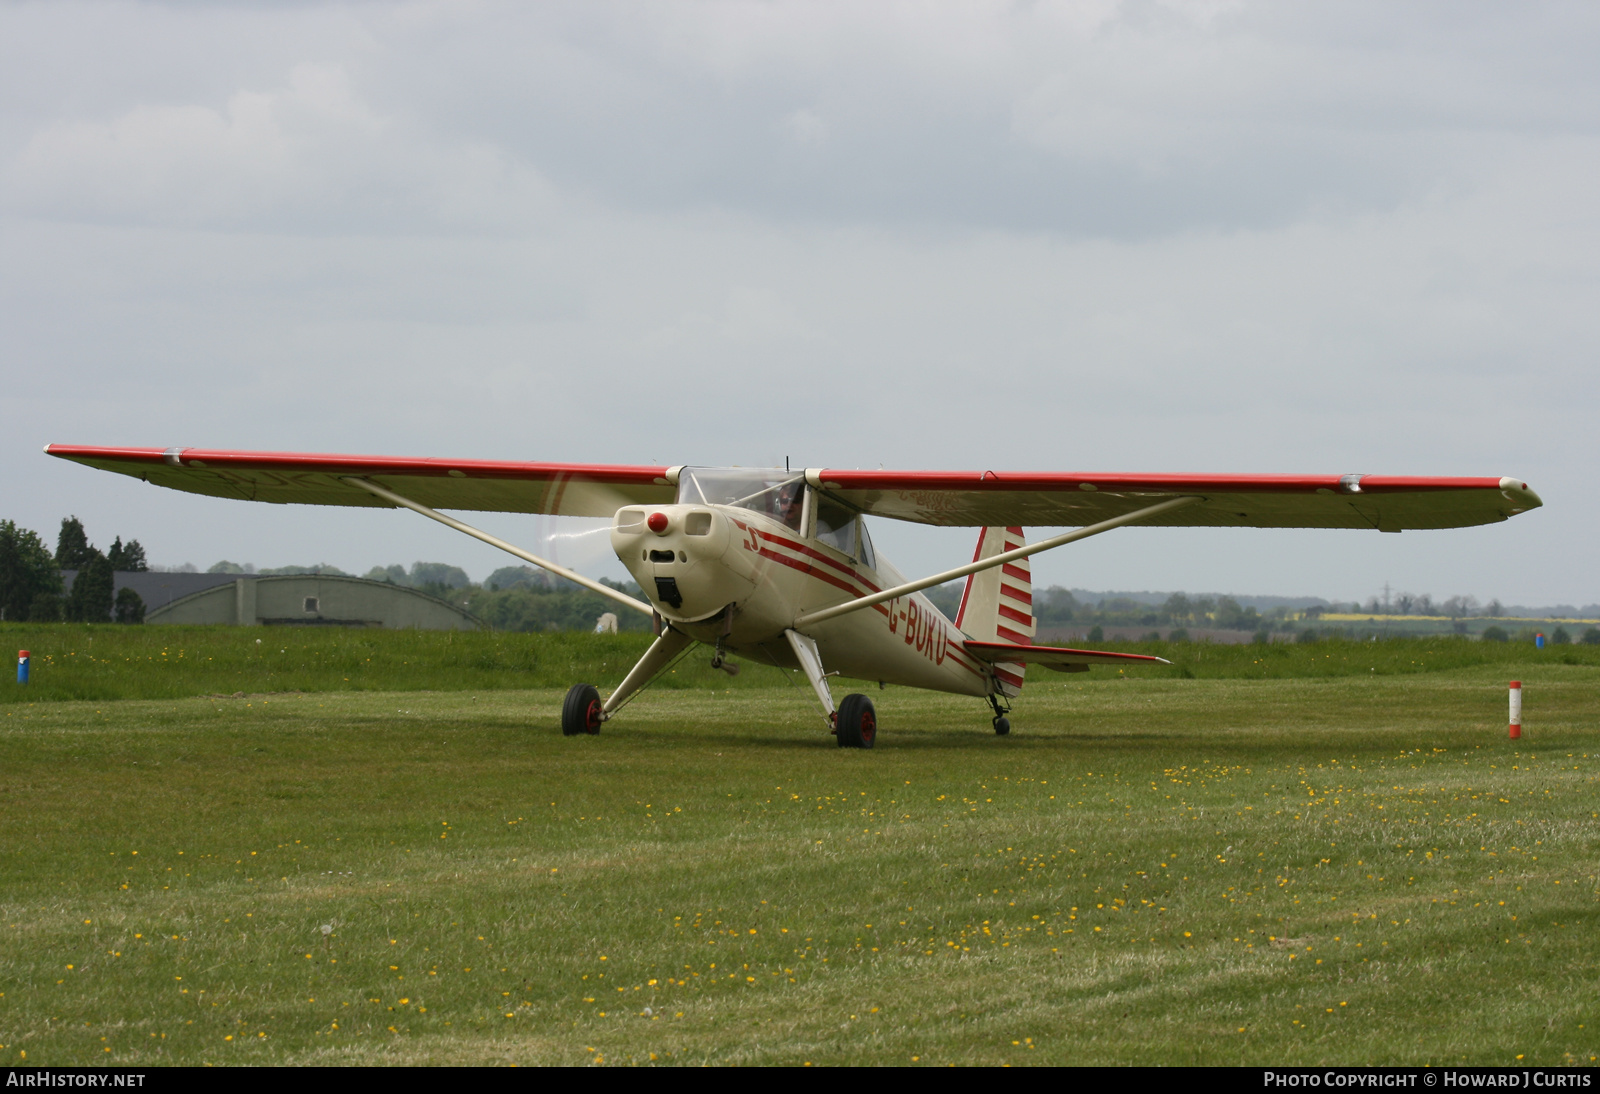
{"x":1346,"y":869}
{"x":1415,"y":625}
{"x":104,"y":662}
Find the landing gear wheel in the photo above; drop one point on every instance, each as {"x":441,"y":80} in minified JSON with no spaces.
{"x":581,"y":712}
{"x":1002,"y":726}
{"x":857,"y":723}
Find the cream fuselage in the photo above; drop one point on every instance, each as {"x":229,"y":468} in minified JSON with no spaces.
{"x":744,"y":577}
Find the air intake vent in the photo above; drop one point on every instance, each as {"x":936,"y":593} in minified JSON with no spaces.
{"x":667,"y":591}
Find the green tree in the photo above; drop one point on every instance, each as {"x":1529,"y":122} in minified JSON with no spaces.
{"x":438,"y":575}
{"x":130,"y":606}
{"x":1231,"y":617}
{"x":1054,"y":605}
{"x":72,"y":545}
{"x":946,"y":597}
{"x":29,"y":577}
{"x":1493,"y":633}
{"x":1560,"y":637}
{"x":1097,"y":633}
{"x":562,"y":606}
{"x":1591,"y":637}
{"x":515,"y":577}
{"x":127,"y":557}
{"x":90,"y":599}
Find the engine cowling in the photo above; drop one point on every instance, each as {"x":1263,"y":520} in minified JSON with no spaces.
{"x":676,"y":553}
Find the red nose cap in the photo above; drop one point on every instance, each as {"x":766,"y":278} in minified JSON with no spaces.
{"x":657,"y":523}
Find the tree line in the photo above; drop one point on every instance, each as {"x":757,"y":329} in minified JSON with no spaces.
{"x":516,"y":598}
{"x":32,"y":589}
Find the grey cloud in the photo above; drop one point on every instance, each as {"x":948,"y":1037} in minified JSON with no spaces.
{"x":1125,"y":236}
{"x":1119,"y":120}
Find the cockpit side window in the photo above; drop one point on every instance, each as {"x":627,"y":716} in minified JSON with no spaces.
{"x":836,"y":525}
{"x":867,"y":554}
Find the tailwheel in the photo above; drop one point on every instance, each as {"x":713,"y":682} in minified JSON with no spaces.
{"x":581,"y":713}
{"x":856,"y":724}
{"x":1002,"y":724}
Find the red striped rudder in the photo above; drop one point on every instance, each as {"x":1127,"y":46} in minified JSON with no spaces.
{"x":997,"y":604}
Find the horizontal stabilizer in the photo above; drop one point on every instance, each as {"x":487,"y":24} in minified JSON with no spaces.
{"x":1054,"y":657}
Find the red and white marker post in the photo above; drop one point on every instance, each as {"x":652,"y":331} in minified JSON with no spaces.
{"x":1516,"y":709}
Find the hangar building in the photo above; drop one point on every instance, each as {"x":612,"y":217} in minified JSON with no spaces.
{"x":289,"y":599}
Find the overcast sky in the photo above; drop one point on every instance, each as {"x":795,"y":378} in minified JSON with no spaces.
{"x":1230,"y":237}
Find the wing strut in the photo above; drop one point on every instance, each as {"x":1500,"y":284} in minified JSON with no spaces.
{"x":559,"y":571}
{"x":989,"y":563}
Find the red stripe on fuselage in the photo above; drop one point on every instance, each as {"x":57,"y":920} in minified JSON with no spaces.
{"x":811,"y":571}
{"x":1007,"y":632}
{"x":961,"y":659}
{"x":1016,"y":571}
{"x":819,"y":556}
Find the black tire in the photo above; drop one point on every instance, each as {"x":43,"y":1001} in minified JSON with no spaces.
{"x":581,"y":712}
{"x":857,"y":722}
{"x":1002,"y":726}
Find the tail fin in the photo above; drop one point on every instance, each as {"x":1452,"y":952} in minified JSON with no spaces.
{"x":997,"y":604}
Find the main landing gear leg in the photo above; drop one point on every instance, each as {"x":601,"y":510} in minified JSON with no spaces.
{"x":854,"y":724}
{"x":1002,"y":724}
{"x":583,"y":712}
{"x":805,"y":651}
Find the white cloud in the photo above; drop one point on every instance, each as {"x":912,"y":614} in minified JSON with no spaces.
{"x":310,"y":154}
{"x":1098,"y":235}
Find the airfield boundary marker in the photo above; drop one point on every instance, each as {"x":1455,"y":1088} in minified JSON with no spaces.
{"x":1516,"y":709}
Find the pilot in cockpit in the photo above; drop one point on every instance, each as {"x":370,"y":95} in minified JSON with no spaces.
{"x":787,"y":501}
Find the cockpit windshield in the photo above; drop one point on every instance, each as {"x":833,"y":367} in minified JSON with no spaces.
{"x":776,"y":493}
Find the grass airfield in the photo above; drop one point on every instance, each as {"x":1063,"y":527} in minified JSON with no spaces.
{"x":1334,"y":869}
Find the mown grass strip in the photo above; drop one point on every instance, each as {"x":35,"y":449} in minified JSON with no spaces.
{"x":108,"y":662}
{"x":1310,"y":871}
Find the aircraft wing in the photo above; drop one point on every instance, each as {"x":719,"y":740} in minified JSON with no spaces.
{"x":1389,"y":503}
{"x":579,"y":490}
{"x":988,"y":498}
{"x":1053,"y":657}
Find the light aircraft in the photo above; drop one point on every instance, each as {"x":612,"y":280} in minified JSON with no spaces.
{"x":777,"y":566}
